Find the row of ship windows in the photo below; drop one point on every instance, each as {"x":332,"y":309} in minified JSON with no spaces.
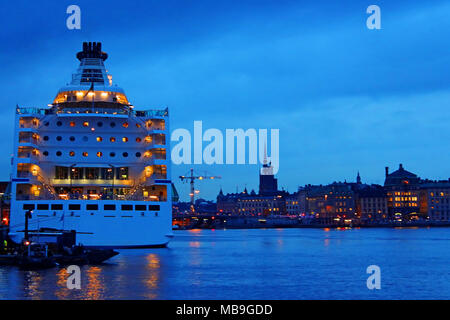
{"x":108,"y":207}
{"x":99,"y":139}
{"x":86,"y":124}
{"x":99,"y":154}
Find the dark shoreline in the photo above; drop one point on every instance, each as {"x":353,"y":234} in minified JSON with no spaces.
{"x":317,"y":226}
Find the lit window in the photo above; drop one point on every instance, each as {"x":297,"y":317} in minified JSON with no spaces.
{"x":125,"y":125}
{"x":72,"y":123}
{"x":112,"y":139}
{"x":85,"y":124}
{"x":125,"y":139}
{"x":147,"y":154}
{"x":138,"y":125}
{"x":71,"y":153}
{"x":99,"y":139}
{"x":85,"y":154}
{"x":138,"y":139}
{"x":148,"y":139}
{"x":99,"y":154}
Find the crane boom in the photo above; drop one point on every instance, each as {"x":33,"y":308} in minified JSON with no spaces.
{"x":191,"y":178}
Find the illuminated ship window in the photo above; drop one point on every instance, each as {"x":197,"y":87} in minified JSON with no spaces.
{"x":45,"y":138}
{"x":112,"y":139}
{"x":85,"y":124}
{"x":112,"y":124}
{"x":72,"y":123}
{"x":85,"y":154}
{"x":112,"y":154}
{"x":125,"y":125}
{"x":45,"y":153}
{"x":125,"y":154}
{"x":72,"y":138}
{"x":59,"y":123}
{"x":125,"y":139}
{"x":59,"y":138}
{"x":71,"y":153}
{"x":99,"y":139}
{"x":58,"y":153}
{"x":138,"y":125}
{"x":99,"y":154}
{"x":138,"y":139}
{"x":138,"y":154}
{"x":148,"y":139}
{"x":147,"y":154}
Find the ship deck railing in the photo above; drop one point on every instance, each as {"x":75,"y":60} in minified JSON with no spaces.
{"x":93,"y":110}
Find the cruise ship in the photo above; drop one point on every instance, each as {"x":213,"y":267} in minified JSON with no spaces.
{"x":93,"y":163}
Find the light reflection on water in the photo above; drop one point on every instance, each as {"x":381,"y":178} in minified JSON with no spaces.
{"x":258,"y":264}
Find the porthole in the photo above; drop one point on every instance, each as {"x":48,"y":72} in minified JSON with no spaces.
{"x":125,"y":154}
{"x":99,"y":124}
{"x":85,"y":138}
{"x":45,"y":153}
{"x":99,"y":154}
{"x":72,"y":138}
{"x":138,"y":139}
{"x":59,"y":123}
{"x":46,"y":123}
{"x":112,"y":154}
{"x":45,"y":138}
{"x":59,"y":138}
{"x":71,"y":153}
{"x":112,"y":139}
{"x":112,"y":124}
{"x":125,"y":125}
{"x":138,"y":154}
{"x":58,"y":153}
{"x":124,"y":139}
{"x":72,"y":123}
{"x":85,"y":154}
{"x":99,"y":139}
{"x":85,"y":124}
{"x":138,"y":125}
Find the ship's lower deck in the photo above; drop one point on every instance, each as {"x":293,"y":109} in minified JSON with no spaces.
{"x":112,"y":224}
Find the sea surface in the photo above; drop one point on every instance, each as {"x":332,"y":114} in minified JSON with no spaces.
{"x":259,"y":264}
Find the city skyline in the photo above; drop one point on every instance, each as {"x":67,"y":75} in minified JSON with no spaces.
{"x":344,"y":98}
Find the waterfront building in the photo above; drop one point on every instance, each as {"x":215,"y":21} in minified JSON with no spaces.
{"x":293,"y":205}
{"x":372,"y":204}
{"x":435,"y":200}
{"x":93,"y":163}
{"x":402,"y":190}
{"x":332,"y":204}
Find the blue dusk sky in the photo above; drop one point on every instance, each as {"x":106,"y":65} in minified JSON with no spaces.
{"x":345,"y":98}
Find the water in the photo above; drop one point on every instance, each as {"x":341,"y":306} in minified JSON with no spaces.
{"x":259,"y":264}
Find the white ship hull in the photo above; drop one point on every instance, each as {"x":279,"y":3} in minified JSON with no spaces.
{"x":106,"y":229}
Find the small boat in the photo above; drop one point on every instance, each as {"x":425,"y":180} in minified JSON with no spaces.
{"x":35,"y":256}
{"x":80,"y":255}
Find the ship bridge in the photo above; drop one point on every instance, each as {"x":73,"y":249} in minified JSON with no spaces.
{"x":91,"y":82}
